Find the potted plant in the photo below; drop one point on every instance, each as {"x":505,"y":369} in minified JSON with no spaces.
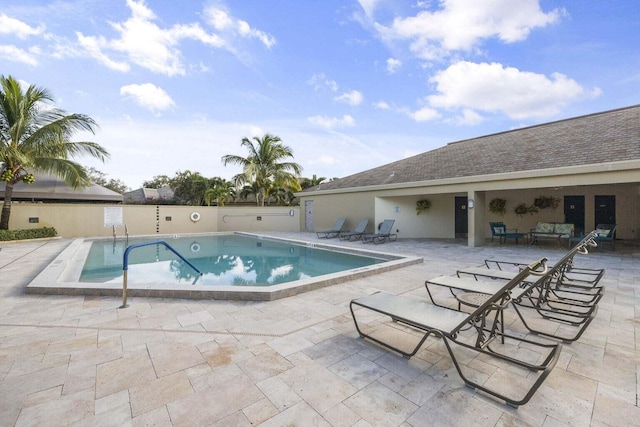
{"x":498,"y":206}
{"x":422,"y":205}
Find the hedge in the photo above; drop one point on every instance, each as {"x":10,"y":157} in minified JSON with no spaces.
{"x":32,"y":233}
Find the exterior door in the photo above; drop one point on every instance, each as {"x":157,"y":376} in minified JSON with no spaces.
{"x":605,"y":209}
{"x":308,"y":215}
{"x":574,"y":213}
{"x":461,"y":217}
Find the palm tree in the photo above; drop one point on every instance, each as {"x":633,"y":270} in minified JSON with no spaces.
{"x":34,"y":136}
{"x":222,"y":192}
{"x":314,"y":181}
{"x":265,"y":166}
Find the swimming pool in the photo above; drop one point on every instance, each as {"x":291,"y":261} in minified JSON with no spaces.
{"x":222,"y":259}
{"x":237,"y":266}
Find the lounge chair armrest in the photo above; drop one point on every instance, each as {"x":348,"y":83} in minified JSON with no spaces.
{"x":499,"y":263}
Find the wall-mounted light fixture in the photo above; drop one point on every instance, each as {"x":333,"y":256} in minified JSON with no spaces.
{"x":470,"y":203}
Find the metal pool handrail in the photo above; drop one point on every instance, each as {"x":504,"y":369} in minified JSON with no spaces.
{"x":125,"y":264}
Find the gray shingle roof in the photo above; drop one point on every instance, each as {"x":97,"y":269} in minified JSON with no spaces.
{"x":596,"y":138}
{"x":51,"y":188}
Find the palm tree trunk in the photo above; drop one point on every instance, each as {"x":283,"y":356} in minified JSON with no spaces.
{"x":6,"y":206}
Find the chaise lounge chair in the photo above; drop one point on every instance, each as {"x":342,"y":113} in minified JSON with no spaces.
{"x":337,"y":228}
{"x":357,"y":232}
{"x":383,"y":234}
{"x":451,"y":325}
{"x":550,"y":302}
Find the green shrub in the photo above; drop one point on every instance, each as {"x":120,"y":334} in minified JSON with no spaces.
{"x":31,"y":233}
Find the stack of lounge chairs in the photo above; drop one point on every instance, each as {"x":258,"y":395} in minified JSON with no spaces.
{"x":561,"y":294}
{"x":384,"y":234}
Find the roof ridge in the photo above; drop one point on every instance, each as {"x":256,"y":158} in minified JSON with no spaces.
{"x":544,"y":124}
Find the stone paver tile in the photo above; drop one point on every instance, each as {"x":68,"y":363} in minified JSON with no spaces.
{"x":157,"y":418}
{"x":558,"y":404}
{"x":342,"y":416}
{"x":615,"y":408}
{"x":79,"y":378}
{"x":358,"y":371}
{"x":224,"y":355}
{"x":380,"y":406}
{"x":406,"y":368}
{"x":456,"y":407}
{"x":279,"y":393}
{"x":237,"y":419}
{"x":260,"y":411}
{"x":98,"y":355}
{"x":572,"y":384}
{"x":22,"y":385}
{"x":319,"y":387}
{"x":265,"y":365}
{"x":134,"y":370}
{"x":65,"y":411}
{"x":194,"y":318}
{"x":39,"y":397}
{"x":175,"y":361}
{"x":607,"y":374}
{"x":422,"y":388}
{"x":214,"y":403}
{"x":160,"y":392}
{"x":112,"y":401}
{"x":289,"y":344}
{"x":335,"y":349}
{"x":300,"y":414}
{"x":30,"y":364}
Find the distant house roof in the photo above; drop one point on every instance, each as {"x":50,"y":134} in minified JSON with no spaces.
{"x":605,"y":137}
{"x":144,"y":195}
{"x":49,"y":188}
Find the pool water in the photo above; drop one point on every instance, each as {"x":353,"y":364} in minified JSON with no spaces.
{"x":223,"y":259}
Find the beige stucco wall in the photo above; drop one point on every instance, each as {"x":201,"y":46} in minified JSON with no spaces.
{"x":438,"y":221}
{"x":88,"y":220}
{"x":353,"y":206}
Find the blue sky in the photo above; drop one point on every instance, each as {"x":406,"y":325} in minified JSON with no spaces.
{"x":347,"y":84}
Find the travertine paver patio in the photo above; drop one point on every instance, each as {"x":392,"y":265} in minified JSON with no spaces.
{"x":295,"y":361}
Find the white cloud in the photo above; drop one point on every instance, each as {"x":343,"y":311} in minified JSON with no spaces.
{"x":13,"y":53}
{"x":223,"y":22}
{"x":93,"y":47}
{"x":333,"y":122}
{"x":424,"y":114}
{"x":148,"y":96}
{"x":352,"y":98}
{"x":469,"y":117}
{"x":18,"y":28}
{"x":320,"y":81}
{"x":381,"y":105}
{"x":368,"y":6}
{"x":143,"y":42}
{"x":393,"y":65}
{"x":460,"y":25}
{"x":495,"y":88}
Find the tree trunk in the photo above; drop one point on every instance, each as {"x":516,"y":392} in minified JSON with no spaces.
{"x":6,"y":206}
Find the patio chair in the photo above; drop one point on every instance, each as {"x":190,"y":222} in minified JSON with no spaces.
{"x":383,"y":234}
{"x":357,"y":232}
{"x":500,"y":230}
{"x":329,"y":234}
{"x":452,"y":326}
{"x":606,"y":233}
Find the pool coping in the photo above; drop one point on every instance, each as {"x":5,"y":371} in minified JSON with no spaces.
{"x":61,"y":276}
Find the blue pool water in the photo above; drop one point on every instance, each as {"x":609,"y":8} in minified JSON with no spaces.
{"x":223,"y":259}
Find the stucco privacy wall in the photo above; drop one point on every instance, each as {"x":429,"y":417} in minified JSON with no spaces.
{"x":88,"y":220}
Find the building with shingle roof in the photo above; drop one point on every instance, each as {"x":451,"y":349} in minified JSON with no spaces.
{"x":51,"y":189}
{"x":576,"y":160}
